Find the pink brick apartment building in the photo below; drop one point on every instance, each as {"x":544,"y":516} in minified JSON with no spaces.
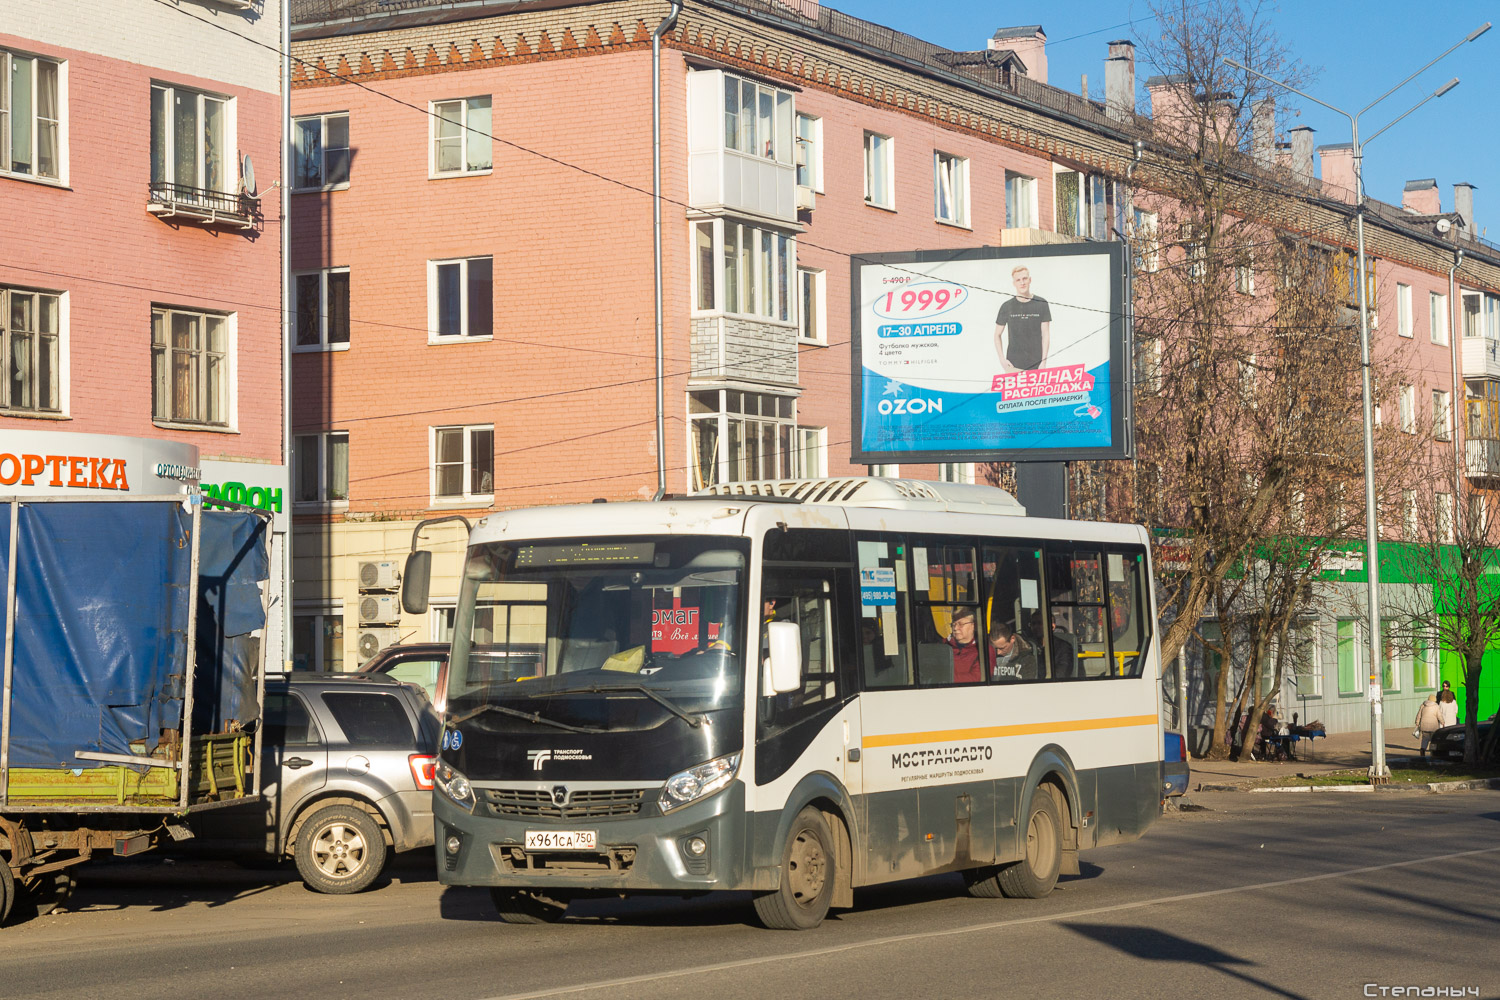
{"x":472,"y":252}
{"x":140,"y":286}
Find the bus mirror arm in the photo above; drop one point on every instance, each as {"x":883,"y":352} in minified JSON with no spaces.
{"x":416,"y":578}
{"x":784,"y":665}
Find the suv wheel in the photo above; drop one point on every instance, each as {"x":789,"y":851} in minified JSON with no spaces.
{"x":340,"y":849}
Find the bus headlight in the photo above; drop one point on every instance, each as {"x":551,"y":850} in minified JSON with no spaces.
{"x":698,"y":782}
{"x":448,"y":780}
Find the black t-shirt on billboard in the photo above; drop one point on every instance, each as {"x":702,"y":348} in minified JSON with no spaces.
{"x":1023,"y":328}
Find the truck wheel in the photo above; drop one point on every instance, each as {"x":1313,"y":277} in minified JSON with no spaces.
{"x":340,"y":849}
{"x":1036,"y":873}
{"x":7,"y":890}
{"x":984,"y":883}
{"x":807,"y":877}
{"x":529,"y":906}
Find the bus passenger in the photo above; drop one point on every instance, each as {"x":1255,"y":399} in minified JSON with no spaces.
{"x":961,"y":636}
{"x":1012,"y":658}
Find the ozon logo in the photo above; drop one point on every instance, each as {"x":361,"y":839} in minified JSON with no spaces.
{"x":538,"y":758}
{"x":914,"y":407}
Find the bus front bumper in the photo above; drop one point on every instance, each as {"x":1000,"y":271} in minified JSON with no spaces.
{"x":646,"y":852}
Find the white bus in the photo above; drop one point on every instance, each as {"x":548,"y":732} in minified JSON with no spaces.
{"x":794,"y":688}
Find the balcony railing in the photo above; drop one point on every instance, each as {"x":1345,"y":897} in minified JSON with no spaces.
{"x":179,"y":201}
{"x":1482,"y":458}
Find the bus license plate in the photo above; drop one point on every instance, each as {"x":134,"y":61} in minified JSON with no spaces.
{"x":561,"y":840}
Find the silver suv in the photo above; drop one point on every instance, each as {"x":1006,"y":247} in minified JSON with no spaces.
{"x":347,"y":777}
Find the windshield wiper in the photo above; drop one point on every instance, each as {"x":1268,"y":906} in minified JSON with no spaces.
{"x":693,"y":720}
{"x":454,"y":720}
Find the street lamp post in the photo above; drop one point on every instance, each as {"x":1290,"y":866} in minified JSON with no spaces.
{"x":1378,"y":770}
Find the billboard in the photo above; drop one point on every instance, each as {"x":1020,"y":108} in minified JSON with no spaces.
{"x":991,"y":354}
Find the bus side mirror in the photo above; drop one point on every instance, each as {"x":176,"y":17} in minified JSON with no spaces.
{"x":415,"y":581}
{"x":784,"y":665}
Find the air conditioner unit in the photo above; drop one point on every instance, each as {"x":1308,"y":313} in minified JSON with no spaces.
{"x":379,"y":608}
{"x":384,"y":575}
{"x":806,"y":198}
{"x":373,"y":640}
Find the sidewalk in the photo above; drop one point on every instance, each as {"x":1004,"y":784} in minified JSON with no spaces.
{"x":1336,"y":752}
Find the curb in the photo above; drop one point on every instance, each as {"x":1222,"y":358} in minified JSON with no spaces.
{"x":1436,"y":787}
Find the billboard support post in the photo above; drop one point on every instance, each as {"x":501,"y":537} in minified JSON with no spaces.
{"x":1042,"y":488}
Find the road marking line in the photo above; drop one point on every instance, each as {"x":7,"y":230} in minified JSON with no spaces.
{"x":697,"y":970}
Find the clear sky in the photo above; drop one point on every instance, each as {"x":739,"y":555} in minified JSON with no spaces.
{"x":1357,"y":50}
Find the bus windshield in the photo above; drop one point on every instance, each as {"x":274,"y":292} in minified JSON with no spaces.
{"x":588,"y":635}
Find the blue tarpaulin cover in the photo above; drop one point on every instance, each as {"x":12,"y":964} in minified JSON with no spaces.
{"x":101,"y":624}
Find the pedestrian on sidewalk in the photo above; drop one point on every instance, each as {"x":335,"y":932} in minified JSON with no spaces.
{"x":1447,"y":707}
{"x":1428,"y":720}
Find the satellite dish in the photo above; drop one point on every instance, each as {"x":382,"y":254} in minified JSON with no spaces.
{"x":247,"y":175}
{"x":1443,"y":225}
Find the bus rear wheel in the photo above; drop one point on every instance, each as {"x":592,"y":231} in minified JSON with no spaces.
{"x":807,"y":877}
{"x":1036,"y":873}
{"x":529,"y":906}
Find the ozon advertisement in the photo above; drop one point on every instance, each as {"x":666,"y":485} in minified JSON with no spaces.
{"x":991,"y":354}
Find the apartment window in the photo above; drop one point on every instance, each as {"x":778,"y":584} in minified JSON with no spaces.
{"x":1020,"y":201}
{"x":31,"y":344}
{"x":1403,"y":310}
{"x":463,"y":463}
{"x":320,"y":467}
{"x":737,"y":436}
{"x":192,"y":141}
{"x":809,"y":157}
{"x":1442,"y":419}
{"x":320,"y":151}
{"x":756,"y":269}
{"x":950,"y":188}
{"x":1409,"y":515}
{"x":812,"y":315}
{"x":1407,"y":406}
{"x":1148,"y":364}
{"x":1471,"y":319}
{"x":812,"y":453}
{"x":1144,"y":241}
{"x":1088,"y":205}
{"x":460,"y":299}
{"x":1437,"y":317}
{"x":32,"y":129}
{"x":320,"y":307}
{"x":956,"y":472}
{"x":190,"y":361}
{"x":879,"y":179}
{"x":461,"y":142}
{"x":1351,"y":657}
{"x":318,"y":640}
{"x":891,"y":471}
{"x":757,"y":119}
{"x":1442,"y":509}
{"x":1244,"y":279}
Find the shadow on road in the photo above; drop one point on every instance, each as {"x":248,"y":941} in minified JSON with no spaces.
{"x":1159,"y":946}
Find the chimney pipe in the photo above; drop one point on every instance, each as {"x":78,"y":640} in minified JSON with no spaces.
{"x":1302,"y":153}
{"x":1119,"y":80}
{"x":1463,"y":204}
{"x":1263,"y":133}
{"x":1420,"y":197}
{"x":1029,"y":43}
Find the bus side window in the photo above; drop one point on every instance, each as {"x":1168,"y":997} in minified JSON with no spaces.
{"x":1013,"y":604}
{"x":947,"y":625}
{"x":1075,"y":592}
{"x":882,"y":613}
{"x":809,"y":597}
{"x":1129,"y":624}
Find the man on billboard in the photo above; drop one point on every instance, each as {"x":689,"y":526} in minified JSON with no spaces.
{"x":1023,"y":326}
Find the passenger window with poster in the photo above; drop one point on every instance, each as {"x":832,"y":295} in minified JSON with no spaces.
{"x":946,"y":627}
{"x":803,"y":583}
{"x":881,"y":564}
{"x":1016,"y":637}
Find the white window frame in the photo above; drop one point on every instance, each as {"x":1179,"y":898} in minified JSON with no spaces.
{"x":814,"y":441}
{"x":1476,"y":328}
{"x":467,"y":497}
{"x":1407,"y":408}
{"x":1144,"y":225}
{"x":231,"y":372}
{"x":956,"y":472}
{"x":434,"y":336}
{"x":323,"y":343}
{"x":809,"y":151}
{"x":1437,"y":318}
{"x":880,"y":152}
{"x":1020,"y":195}
{"x":1403,"y":310}
{"x":1244,"y":278}
{"x":229,"y":182}
{"x":890,"y":470}
{"x":61,"y":123}
{"x":61,"y":367}
{"x":773,"y":297}
{"x":784,"y":456}
{"x":950,"y":173}
{"x":321,"y":441}
{"x":1442,"y":415}
{"x":812,"y":329}
{"x":776,"y":133}
{"x":466,"y":109}
{"x":1409,"y":519}
{"x":318,"y":659}
{"x":323,"y":150}
{"x":1442,"y":516}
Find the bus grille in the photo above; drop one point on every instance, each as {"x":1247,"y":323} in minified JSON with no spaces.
{"x":592,"y":803}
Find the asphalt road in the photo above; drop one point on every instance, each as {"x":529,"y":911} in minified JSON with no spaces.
{"x":1258,"y":895}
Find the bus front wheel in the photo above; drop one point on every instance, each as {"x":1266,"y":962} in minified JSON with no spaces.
{"x":807,"y":877}
{"x":1036,"y":873}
